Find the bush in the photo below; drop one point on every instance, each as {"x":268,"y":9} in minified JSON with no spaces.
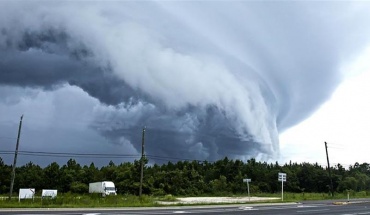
{"x":78,"y":187}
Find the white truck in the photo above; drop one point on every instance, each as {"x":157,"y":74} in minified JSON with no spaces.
{"x":106,"y":188}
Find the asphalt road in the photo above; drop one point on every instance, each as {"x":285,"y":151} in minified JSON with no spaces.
{"x":305,"y":208}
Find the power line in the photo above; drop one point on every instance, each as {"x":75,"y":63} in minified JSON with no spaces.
{"x":81,"y":156}
{"x":171,"y":158}
{"x":137,"y":156}
{"x":6,"y":152}
{"x":65,"y":154}
{"x":94,"y":155}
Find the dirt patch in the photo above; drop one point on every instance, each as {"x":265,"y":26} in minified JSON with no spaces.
{"x":216,"y":200}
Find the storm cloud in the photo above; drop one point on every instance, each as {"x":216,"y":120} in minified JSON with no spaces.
{"x":207,"y":79}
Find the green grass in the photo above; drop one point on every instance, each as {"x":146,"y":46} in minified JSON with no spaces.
{"x":77,"y":201}
{"x":167,"y":198}
{"x":69,"y":200}
{"x":291,"y":197}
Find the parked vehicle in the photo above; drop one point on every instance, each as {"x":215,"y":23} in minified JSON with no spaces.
{"x":106,"y":188}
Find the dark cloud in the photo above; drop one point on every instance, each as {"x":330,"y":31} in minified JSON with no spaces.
{"x":207,"y":79}
{"x":47,"y":62}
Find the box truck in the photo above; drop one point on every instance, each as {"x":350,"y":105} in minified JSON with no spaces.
{"x":105,"y":188}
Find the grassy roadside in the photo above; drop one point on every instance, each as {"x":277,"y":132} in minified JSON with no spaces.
{"x":289,"y":197}
{"x":90,"y":201}
{"x":77,"y":201}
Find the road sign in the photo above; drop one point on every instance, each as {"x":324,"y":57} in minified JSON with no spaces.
{"x":49,"y":193}
{"x":282,"y":177}
{"x":247,"y":180}
{"x":26,"y":193}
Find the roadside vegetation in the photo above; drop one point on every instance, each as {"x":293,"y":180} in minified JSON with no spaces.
{"x":69,"y":200}
{"x":224,"y":177}
{"x":75,"y":201}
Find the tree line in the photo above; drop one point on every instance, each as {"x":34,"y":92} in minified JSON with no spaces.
{"x":188,"y":178}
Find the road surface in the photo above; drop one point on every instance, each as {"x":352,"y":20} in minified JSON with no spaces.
{"x":305,"y":208}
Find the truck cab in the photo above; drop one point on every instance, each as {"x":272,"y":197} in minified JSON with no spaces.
{"x":109,"y":188}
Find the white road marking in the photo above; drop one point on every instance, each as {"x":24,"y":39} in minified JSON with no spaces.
{"x":247,"y":208}
{"x":357,"y":213}
{"x":305,"y":211}
{"x":306,"y":206}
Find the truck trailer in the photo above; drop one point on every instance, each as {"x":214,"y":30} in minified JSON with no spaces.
{"x":105,"y":188}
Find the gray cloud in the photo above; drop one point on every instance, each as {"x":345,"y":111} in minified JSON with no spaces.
{"x":207,"y":79}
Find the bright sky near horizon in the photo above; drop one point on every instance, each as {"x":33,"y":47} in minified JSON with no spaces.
{"x":343,"y":122}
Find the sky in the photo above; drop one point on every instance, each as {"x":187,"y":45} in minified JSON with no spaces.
{"x":270,"y":80}
{"x":343,"y":122}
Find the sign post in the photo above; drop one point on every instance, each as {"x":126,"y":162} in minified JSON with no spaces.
{"x":247,"y":180}
{"x":282,"y":178}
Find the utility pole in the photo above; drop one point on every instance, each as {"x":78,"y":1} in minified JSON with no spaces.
{"x":142,"y":163}
{"x":15,"y":159}
{"x":331,"y":181}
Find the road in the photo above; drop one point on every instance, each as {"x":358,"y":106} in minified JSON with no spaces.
{"x":305,"y":208}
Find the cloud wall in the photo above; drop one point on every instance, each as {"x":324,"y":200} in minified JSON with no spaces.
{"x":207,"y":79}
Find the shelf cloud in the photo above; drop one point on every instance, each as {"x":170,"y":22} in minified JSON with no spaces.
{"x":206,"y":79}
